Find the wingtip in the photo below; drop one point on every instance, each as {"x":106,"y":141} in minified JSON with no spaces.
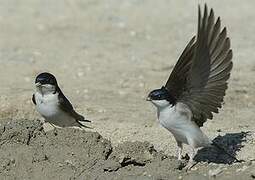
{"x":230,"y":54}
{"x":211,"y":12}
{"x":199,"y":10}
{"x":205,"y":5}
{"x":224,"y":30}
{"x":218,"y":21}
{"x":199,"y":18}
{"x":205,"y":10}
{"x":84,"y":126}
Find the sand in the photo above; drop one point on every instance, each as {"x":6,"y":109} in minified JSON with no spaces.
{"x":27,"y":152}
{"x":107,"y":56}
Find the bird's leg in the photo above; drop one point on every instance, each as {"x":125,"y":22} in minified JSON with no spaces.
{"x":179,"y":155}
{"x":54,"y":129}
{"x":191,"y":162}
{"x":48,"y":126}
{"x":179,"y":150}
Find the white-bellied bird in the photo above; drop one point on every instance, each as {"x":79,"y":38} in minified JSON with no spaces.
{"x":196,"y":86}
{"x":51,"y":103}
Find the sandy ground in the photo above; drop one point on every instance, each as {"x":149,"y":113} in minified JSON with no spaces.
{"x":107,"y":55}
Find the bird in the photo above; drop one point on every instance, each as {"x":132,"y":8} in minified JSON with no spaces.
{"x":196,"y":86}
{"x":52,"y":104}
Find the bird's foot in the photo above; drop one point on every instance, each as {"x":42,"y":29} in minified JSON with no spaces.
{"x":55,"y":131}
{"x":190,"y":165}
{"x":181,"y":165}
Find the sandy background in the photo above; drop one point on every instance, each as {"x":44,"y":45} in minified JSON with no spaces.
{"x":107,"y":55}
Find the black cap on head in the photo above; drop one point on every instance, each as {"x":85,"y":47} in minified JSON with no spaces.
{"x":46,"y":78}
{"x":161,"y":94}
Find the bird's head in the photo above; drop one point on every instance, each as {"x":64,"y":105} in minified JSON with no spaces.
{"x":161,"y":97}
{"x":46,"y":83}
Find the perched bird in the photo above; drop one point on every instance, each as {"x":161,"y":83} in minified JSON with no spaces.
{"x":51,"y":103}
{"x":196,"y":86}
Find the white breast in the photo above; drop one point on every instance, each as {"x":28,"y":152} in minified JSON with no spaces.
{"x":177,"y":120}
{"x":47,"y":105}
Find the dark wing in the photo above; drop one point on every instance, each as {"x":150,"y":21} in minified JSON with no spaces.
{"x":33,"y":99}
{"x":66,"y":106}
{"x":207,"y":71}
{"x":176,"y":83}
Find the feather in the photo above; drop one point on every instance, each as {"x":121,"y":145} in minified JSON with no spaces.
{"x":199,"y":79}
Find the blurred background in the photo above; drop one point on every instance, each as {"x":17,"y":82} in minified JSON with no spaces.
{"x":108,"y":54}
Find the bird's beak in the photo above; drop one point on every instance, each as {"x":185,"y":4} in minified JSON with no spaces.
{"x":148,"y":99}
{"x":37,"y":84}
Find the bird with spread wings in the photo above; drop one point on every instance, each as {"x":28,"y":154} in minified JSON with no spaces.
{"x":196,"y":87}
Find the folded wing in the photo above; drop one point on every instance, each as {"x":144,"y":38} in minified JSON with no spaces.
{"x":67,"y":107}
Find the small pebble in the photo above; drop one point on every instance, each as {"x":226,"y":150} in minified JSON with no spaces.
{"x":60,"y":164}
{"x":242,"y":169}
{"x":141,"y":84}
{"x":141,"y":77}
{"x":148,"y":37}
{"x":132,"y":33}
{"x":215,"y":172}
{"x":41,"y":27}
{"x":101,"y":110}
{"x":121,"y":25}
{"x":80,"y":74}
{"x":37,"y":53}
{"x":122,"y":92}
{"x":27,"y":79}
{"x":68,"y":162}
{"x":145,"y":173}
{"x":193,"y":168}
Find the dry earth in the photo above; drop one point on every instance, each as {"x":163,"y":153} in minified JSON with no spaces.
{"x":107,"y":55}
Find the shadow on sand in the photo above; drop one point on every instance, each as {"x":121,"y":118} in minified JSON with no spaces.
{"x":231,"y":142}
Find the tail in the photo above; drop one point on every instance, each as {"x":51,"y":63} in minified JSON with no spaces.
{"x":79,"y":118}
{"x":84,"y":120}
{"x":225,"y":151}
{"x":82,"y":125}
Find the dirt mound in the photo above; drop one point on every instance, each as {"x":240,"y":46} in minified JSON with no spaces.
{"x":27,"y":152}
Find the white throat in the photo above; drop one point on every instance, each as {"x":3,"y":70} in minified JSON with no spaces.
{"x":177,"y":119}
{"x":46,"y":89}
{"x":162,"y":105}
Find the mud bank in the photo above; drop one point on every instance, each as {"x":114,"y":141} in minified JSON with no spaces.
{"x":27,"y":152}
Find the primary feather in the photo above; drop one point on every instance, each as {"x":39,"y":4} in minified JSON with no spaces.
{"x":199,"y":78}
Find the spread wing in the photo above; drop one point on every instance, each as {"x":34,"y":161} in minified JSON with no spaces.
{"x":176,"y":83}
{"x":66,"y":106}
{"x":200,"y":76}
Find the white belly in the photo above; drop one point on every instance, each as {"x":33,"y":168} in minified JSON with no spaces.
{"x":177,"y":120}
{"x":48,"y":107}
